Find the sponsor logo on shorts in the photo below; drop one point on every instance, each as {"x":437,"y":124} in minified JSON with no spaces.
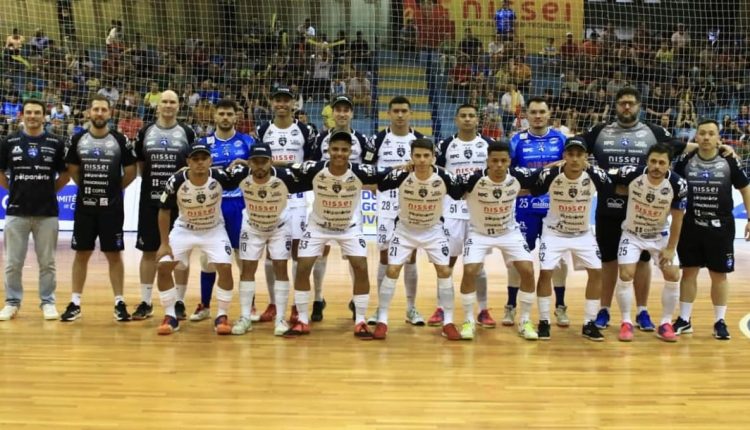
{"x":228,"y":249}
{"x":362,"y":243}
{"x":444,"y":250}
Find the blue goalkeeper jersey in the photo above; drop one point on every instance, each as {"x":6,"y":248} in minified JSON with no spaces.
{"x":223,"y":152}
{"x":531,"y":151}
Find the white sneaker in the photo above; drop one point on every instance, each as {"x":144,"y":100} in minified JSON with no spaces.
{"x":413,"y":317}
{"x":201,"y":313}
{"x":561,"y":313}
{"x":8,"y":312}
{"x":509,"y":316}
{"x":281,"y":328}
{"x":468,"y":330}
{"x":50,"y":312}
{"x":254,"y":315}
{"x":242,"y":326}
{"x":526,"y":331}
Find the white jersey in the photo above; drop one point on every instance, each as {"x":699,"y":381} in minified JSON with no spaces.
{"x":199,"y":205}
{"x":492,"y":205}
{"x":320,"y":151}
{"x":649,"y":205}
{"x":461,"y":158}
{"x":289,"y":145}
{"x":265,"y":204}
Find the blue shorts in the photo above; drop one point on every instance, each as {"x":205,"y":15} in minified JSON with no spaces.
{"x":531,"y":225}
{"x":231,"y":208}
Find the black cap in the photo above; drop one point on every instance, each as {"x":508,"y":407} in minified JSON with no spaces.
{"x":342,"y":99}
{"x":260,"y":149}
{"x":198,"y":148}
{"x":576,"y":141}
{"x":284,"y":91}
{"x":341,"y":135}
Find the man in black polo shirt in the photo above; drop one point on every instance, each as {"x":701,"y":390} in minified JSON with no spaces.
{"x":32,"y":169}
{"x":102,"y":163}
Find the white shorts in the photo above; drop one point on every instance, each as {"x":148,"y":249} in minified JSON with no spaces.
{"x":511,"y":244}
{"x":583,"y":249}
{"x":214,"y":243}
{"x":386,"y":226}
{"x":297,"y":219}
{"x":457,"y":231}
{"x":631,"y":246}
{"x":253,"y":242}
{"x":432,"y":240}
{"x":314,"y":239}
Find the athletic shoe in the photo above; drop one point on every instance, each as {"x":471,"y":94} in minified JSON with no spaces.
{"x":221,"y":325}
{"x":468,"y":330}
{"x":121,"y":312}
{"x":450,"y":332}
{"x":317,"y":311}
{"x":49,"y":312}
{"x":8,"y":312}
{"x":299,"y":329}
{"x":373,"y":320}
{"x":353,"y":309}
{"x":254,"y":317}
{"x":643,"y":321}
{"x":143,"y":311}
{"x":361,"y":332}
{"x":526,"y":331}
{"x":626,"y":332}
{"x":666,"y":333}
{"x":381,"y":330}
{"x":437,"y":318}
{"x":72,"y":313}
{"x":294,"y":318}
{"x":281,"y":328}
{"x":591,"y":332}
{"x":681,"y":326}
{"x":543,"y":330}
{"x":602,"y":319}
{"x":720,"y":330}
{"x":510,"y":315}
{"x":269,"y":314}
{"x":561,"y":314}
{"x":413,"y":317}
{"x":179,"y":310}
{"x":168,"y":326}
{"x":242,"y":326}
{"x":201,"y":313}
{"x":484,"y":319}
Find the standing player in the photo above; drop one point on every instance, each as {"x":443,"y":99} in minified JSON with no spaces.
{"x":291,"y":142}
{"x":227,"y":145}
{"x":389,"y":148}
{"x":536,"y":147}
{"x":421,"y":195}
{"x":343,"y":112}
{"x":571,"y":188}
{"x":161,"y":149}
{"x":197,"y":193}
{"x":654,"y":193}
{"x":491,"y":199}
{"x":335,"y":217}
{"x":102,"y":164}
{"x":707,"y":237}
{"x":463,"y":154}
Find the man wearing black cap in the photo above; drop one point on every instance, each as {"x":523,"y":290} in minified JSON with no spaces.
{"x":571,"y":187}
{"x":197,"y":193}
{"x":291,"y":142}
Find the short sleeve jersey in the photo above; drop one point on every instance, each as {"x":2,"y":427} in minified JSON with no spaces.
{"x":265,"y":204}
{"x":291,"y":145}
{"x":492,"y":204}
{"x":649,"y":205}
{"x":461,"y":158}
{"x":163,"y":151}
{"x":223,"y":152}
{"x":532,"y":151}
{"x":199,"y":205}
{"x":320,"y":150}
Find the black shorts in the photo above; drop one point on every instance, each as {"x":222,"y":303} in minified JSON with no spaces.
{"x":148,"y":227}
{"x":107,"y":226}
{"x":608,"y":232}
{"x":709,"y":247}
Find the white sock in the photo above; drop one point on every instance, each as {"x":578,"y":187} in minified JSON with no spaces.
{"x":181,"y":290}
{"x":526,"y":300}
{"x":720,"y":312}
{"x":590,"y":308}
{"x":119,"y":299}
{"x":387,"y":288}
{"x":146,"y":292}
{"x":642,"y":308}
{"x":446,"y":298}
{"x":382,"y":268}
{"x":481,"y":284}
{"x":281,"y":293}
{"x":686,"y":309}
{"x":270,"y":280}
{"x":360,"y":307}
{"x":302,"y":300}
{"x":168,"y":299}
{"x":670,"y":295}
{"x":319,"y":271}
{"x":544,"y":304}
{"x":76,"y":299}
{"x":410,"y":282}
{"x":624,"y":294}
{"x":247,"y":291}
{"x":223,"y":300}
{"x":468,"y":300}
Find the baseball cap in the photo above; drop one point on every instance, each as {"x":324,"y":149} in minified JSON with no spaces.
{"x":199,"y":147}
{"x":284,"y":91}
{"x":260,"y":149}
{"x":576,"y":141}
{"x":341,"y":135}
{"x":342,"y":99}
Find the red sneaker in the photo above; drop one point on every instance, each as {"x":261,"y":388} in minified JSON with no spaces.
{"x":168,"y":326}
{"x":436,"y":319}
{"x":294,"y":319}
{"x":222,"y":326}
{"x":450,"y":332}
{"x":269,"y":314}
{"x":381,"y":329}
{"x":626,"y":332}
{"x":297,"y":330}
{"x":361,"y":332}
{"x":666,"y":333}
{"x":485,"y":320}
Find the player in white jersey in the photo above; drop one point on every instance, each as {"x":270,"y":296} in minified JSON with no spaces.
{"x":291,"y":142}
{"x":419,"y":226}
{"x":462,"y":154}
{"x":491,"y":195}
{"x":343,"y":112}
{"x":654,"y":193}
{"x":566,"y":228}
{"x":197,"y":193}
{"x":392,"y":147}
{"x":335,"y":217}
{"x":265,"y":225}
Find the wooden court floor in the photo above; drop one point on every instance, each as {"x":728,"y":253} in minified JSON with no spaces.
{"x":98,"y":374}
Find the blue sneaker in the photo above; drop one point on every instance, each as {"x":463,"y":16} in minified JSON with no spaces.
{"x":602,"y":319}
{"x":643,"y":321}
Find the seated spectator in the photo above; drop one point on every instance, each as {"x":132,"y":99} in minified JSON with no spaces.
{"x":470,"y":46}
{"x":615,"y":84}
{"x":729,"y":132}
{"x":569,"y":52}
{"x":687,"y":121}
{"x":209,"y":91}
{"x":59,"y":114}
{"x":496,"y":52}
{"x":129,"y":123}
{"x":114,"y":39}
{"x":664,"y":56}
{"x":129,"y":99}
{"x":30,"y":92}
{"x":39,"y":42}
{"x":571,"y":81}
{"x":359,"y":50}
{"x":491,"y":119}
{"x":189,"y":96}
{"x":520,"y":74}
{"x":301,"y":115}
{"x":549,"y":52}
{"x":743,"y":119}
{"x":557,"y":124}
{"x":591,"y":47}
{"x":245,"y":123}
{"x":658,"y":104}
{"x":666,"y":123}
{"x":512,"y":104}
{"x":13,"y":43}
{"x":204,"y":112}
{"x":459,"y":79}
{"x":599,"y":108}
{"x":360,"y":89}
{"x":110,"y":92}
{"x":10,"y":109}
{"x":680,"y":42}
{"x":93,"y":84}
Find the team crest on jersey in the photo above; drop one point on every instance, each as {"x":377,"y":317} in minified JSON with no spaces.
{"x":262,"y":194}
{"x":423,"y":192}
{"x":33,"y":151}
{"x":468,"y":153}
{"x":705,"y":174}
{"x":164,"y":142}
{"x":650,"y":197}
{"x":282,"y":141}
{"x":401,"y":151}
{"x":201,"y":198}
{"x":382,"y":227}
{"x":625,"y":141}
{"x":573,"y":192}
{"x":96,"y":152}
{"x":497,"y":193}
{"x":336,"y":188}
{"x":394,"y":241}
